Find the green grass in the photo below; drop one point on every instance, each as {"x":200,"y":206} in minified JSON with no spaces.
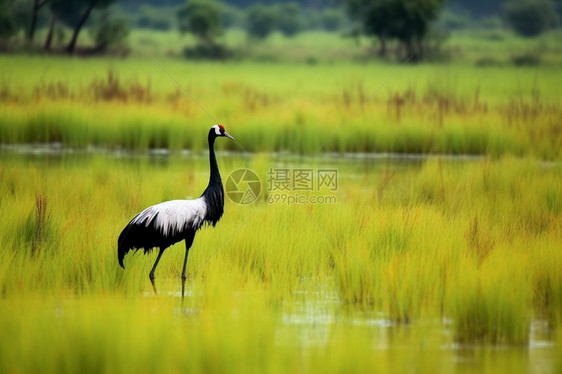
{"x":424,"y":109}
{"x":476,"y":243}
{"x":502,"y":45}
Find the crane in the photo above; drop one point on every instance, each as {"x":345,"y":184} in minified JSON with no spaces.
{"x":164,"y":224}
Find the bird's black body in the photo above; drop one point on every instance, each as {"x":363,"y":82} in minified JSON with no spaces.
{"x":165,"y":224}
{"x":141,"y":236}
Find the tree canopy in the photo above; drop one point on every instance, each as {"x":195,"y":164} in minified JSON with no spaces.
{"x":289,"y":18}
{"x":260,"y":21}
{"x":7,"y":26}
{"x":201,"y":18}
{"x":530,"y":17}
{"x":405,"y":20}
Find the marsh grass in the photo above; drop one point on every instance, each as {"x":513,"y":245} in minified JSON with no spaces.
{"x":461,"y":110}
{"x":466,"y":242}
{"x":38,"y":230}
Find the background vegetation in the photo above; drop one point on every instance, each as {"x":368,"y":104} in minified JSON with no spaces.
{"x":415,"y":29}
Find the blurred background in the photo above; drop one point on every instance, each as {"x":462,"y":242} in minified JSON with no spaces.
{"x":520,"y":32}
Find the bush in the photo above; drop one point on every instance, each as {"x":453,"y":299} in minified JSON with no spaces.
{"x":531,"y":58}
{"x":208,"y":51}
{"x":484,"y":62}
{"x":111,"y":34}
{"x":494,"y":35}
{"x":530,"y":17}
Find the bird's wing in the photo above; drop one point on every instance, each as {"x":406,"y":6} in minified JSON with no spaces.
{"x":172,"y":217}
{"x":161,"y":225}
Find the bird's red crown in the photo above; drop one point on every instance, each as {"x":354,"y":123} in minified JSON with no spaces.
{"x":221,"y":126}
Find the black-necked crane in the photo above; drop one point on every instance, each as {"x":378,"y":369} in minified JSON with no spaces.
{"x":164,"y":224}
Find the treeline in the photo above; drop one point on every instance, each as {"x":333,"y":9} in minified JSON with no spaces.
{"x":476,"y":9}
{"x":313,"y":4}
{"x":418,"y":27}
{"x":288,"y":17}
{"x":414,"y":28}
{"x":206,"y":20}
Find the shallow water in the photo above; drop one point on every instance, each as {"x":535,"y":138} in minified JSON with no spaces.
{"x":309,"y":322}
{"x":356,"y":162}
{"x":310,"y":319}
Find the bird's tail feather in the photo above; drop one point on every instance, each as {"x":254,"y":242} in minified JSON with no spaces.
{"x":124,"y":244}
{"x":137,"y":236}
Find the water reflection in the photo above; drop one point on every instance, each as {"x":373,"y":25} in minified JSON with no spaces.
{"x":311,"y":320}
{"x":355,"y":163}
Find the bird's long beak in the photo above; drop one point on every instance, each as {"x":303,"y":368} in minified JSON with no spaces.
{"x":229,"y":136}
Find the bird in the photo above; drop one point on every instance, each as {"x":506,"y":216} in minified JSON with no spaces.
{"x":162,"y":225}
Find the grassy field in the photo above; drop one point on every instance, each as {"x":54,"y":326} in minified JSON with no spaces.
{"x":422,"y":262}
{"x":424,"y":109}
{"x":468,"y":249}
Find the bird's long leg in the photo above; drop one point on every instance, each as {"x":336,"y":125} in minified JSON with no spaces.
{"x":151,"y":274}
{"x":188,"y":243}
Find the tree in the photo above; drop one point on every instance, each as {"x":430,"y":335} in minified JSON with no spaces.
{"x":289,"y":18}
{"x":37,"y":5}
{"x":16,"y":15}
{"x":202,"y":18}
{"x":405,"y":20}
{"x":75,"y":14}
{"x":530,"y":17}
{"x":7,"y":26}
{"x":260,"y":21}
{"x":55,"y":6}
